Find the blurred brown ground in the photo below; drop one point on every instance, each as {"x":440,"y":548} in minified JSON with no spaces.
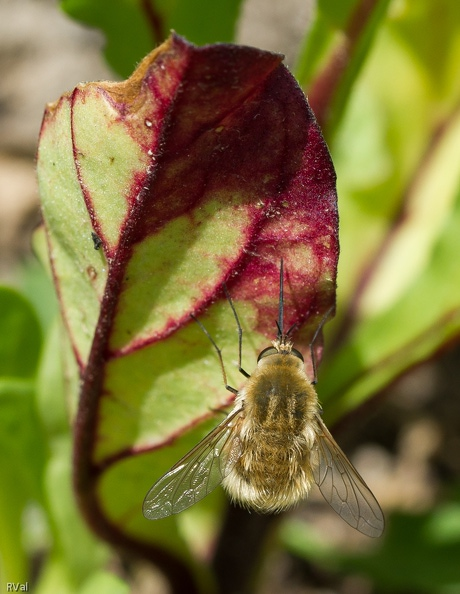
{"x":42,"y":54}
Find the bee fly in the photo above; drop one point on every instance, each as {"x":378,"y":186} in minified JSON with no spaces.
{"x":270,"y":448}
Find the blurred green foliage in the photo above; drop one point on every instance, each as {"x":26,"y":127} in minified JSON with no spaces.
{"x":419,"y":552}
{"x":37,"y":507}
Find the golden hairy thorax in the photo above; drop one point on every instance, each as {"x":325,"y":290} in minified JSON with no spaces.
{"x":277,"y":433}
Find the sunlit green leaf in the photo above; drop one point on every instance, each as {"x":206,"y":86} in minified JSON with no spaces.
{"x":423,"y":319}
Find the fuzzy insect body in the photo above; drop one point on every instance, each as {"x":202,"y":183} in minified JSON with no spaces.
{"x":277,"y":431}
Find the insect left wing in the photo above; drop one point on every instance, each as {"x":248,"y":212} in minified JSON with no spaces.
{"x":197,"y":473}
{"x":342,"y":486}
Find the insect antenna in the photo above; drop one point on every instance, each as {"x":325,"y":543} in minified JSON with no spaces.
{"x":219,"y":354}
{"x":280,"y":322}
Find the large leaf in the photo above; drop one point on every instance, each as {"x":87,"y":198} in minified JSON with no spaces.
{"x":205,"y":167}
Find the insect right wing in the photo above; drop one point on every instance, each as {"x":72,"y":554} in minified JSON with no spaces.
{"x":197,"y":473}
{"x":343,"y":487}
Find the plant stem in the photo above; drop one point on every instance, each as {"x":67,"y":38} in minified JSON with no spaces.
{"x":239,"y":550}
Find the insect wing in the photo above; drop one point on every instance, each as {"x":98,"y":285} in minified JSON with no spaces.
{"x":342,"y":486}
{"x":197,"y":473}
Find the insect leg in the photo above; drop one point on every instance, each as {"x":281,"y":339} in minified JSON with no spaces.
{"x":219,"y":354}
{"x":240,"y":333}
{"x":313,"y":340}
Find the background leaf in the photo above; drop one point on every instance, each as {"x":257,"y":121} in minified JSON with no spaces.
{"x":22,"y":448}
{"x":133,"y":28}
{"x":20,"y":335}
{"x":334,"y":53}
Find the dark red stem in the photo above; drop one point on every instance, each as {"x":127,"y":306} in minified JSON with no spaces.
{"x":155,"y":21}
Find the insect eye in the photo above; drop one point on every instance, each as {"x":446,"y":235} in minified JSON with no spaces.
{"x":266,"y":352}
{"x":297,"y":354}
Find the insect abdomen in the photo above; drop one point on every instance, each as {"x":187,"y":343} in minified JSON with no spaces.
{"x":271,"y":474}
